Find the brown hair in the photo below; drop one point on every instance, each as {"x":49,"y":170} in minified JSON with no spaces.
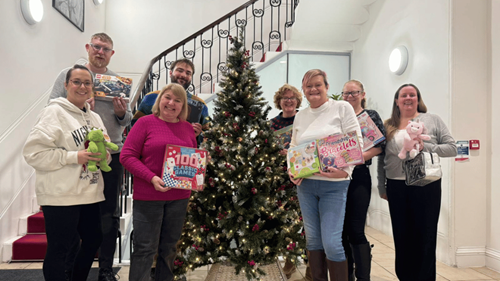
{"x":78,"y":66}
{"x":392,"y":124}
{"x":179,"y":92}
{"x":103,"y":37}
{"x":310,"y":74}
{"x":183,"y":60}
{"x":359,"y":84}
{"x":281,"y":91}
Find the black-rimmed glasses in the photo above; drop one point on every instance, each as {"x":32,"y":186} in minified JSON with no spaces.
{"x":97,"y":48}
{"x":79,"y":83}
{"x":354,"y":93}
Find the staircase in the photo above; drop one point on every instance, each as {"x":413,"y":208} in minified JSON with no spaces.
{"x":265,"y":25}
{"x":31,"y":244}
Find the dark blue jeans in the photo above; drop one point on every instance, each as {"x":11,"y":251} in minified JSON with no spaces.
{"x":323,"y":208}
{"x":63,"y":226}
{"x":414,"y":216}
{"x":157,"y":229}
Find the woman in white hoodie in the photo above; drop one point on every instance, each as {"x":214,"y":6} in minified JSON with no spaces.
{"x":67,"y":191}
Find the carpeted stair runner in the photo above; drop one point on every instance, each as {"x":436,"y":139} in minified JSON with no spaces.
{"x":33,"y":245}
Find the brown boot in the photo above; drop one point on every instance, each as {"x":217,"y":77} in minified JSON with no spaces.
{"x":317,"y":262}
{"x":289,"y":268}
{"x":338,"y":270}
{"x":308,"y":276}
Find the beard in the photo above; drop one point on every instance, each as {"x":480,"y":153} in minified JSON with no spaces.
{"x":99,"y":63}
{"x":175,"y":80}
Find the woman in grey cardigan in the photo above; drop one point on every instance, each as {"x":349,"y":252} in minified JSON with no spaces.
{"x":414,"y":209}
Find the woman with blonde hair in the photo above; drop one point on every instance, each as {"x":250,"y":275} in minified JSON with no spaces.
{"x":414,"y":209}
{"x":287,"y":99}
{"x":322,"y":197}
{"x":356,"y":246}
{"x":158,"y":211}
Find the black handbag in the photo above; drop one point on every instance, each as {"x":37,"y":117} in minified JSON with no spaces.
{"x":423,"y":169}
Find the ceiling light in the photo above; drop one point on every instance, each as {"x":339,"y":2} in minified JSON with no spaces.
{"x":98,"y":2}
{"x":32,"y":10}
{"x":398,"y":60}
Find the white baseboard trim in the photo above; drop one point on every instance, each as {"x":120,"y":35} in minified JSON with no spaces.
{"x":493,"y":259}
{"x":470,"y":256}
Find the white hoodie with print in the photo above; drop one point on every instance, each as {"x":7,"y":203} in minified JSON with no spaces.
{"x":52,"y":149}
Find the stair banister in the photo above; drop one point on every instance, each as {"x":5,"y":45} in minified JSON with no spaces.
{"x":147,"y":71}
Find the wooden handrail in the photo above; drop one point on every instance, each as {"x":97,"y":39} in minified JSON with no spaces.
{"x":145,"y":74}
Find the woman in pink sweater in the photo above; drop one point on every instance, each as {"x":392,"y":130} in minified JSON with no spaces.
{"x":158,"y":211}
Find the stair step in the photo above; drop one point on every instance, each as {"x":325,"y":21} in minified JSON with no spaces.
{"x":36,"y":223}
{"x":30,"y":247}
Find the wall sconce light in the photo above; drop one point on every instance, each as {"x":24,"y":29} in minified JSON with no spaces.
{"x":98,"y":2}
{"x":32,"y":10}
{"x":398,"y":60}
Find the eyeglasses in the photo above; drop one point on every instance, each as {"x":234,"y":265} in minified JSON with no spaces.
{"x":289,"y":99}
{"x":79,"y":83}
{"x":354,"y":94}
{"x":97,"y":48}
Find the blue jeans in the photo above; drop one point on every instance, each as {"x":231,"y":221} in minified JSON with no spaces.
{"x":157,"y":228}
{"x":323,"y":208}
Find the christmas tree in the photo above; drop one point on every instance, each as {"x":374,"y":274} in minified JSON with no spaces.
{"x":248,"y":214}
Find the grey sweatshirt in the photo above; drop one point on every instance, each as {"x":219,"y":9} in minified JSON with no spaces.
{"x":105,"y":109}
{"x":441,"y":142}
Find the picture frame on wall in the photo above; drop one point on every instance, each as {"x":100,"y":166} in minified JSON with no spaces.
{"x":72,"y":10}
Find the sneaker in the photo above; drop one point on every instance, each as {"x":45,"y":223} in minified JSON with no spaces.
{"x":107,"y":274}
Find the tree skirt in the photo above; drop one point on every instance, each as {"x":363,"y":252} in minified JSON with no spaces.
{"x":223,"y":272}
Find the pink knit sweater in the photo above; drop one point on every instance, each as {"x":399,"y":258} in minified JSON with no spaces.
{"x":143,"y":151}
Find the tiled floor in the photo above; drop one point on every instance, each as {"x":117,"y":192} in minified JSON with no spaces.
{"x":382,"y":265}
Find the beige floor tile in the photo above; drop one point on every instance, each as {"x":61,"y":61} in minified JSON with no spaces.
{"x":15,"y":265}
{"x":384,"y":259}
{"x":35,"y":265}
{"x":381,"y":274}
{"x":379,"y":248}
{"x":488,"y":272}
{"x":452,"y":273}
{"x":371,"y":231}
{"x":440,"y":278}
{"x":123,"y":273}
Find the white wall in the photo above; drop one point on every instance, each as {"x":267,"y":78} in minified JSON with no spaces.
{"x":423,"y":27}
{"x":142,"y":30}
{"x":32,"y":56}
{"x":493,"y":231}
{"x":471,"y":70}
{"x":454,"y":60}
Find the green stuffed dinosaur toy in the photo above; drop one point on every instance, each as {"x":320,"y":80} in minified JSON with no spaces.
{"x":97,"y":143}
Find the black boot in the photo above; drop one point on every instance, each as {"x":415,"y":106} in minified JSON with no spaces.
{"x":68,"y":275}
{"x":348,"y":256}
{"x":317,"y":262}
{"x":106,"y":274}
{"x":362,"y":259}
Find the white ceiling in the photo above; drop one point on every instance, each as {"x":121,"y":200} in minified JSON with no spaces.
{"x":328,"y":25}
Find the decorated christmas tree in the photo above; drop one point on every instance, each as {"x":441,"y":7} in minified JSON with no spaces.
{"x":248,"y":214}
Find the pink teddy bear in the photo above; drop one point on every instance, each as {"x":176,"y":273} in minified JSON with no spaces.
{"x":414,"y":133}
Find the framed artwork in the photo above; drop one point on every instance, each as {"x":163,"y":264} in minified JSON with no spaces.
{"x":73,"y":10}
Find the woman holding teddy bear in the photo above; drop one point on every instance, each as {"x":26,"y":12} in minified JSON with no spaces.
{"x":414,"y":209}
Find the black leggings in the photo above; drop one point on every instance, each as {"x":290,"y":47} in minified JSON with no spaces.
{"x":358,"y":200}
{"x":64,"y":225}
